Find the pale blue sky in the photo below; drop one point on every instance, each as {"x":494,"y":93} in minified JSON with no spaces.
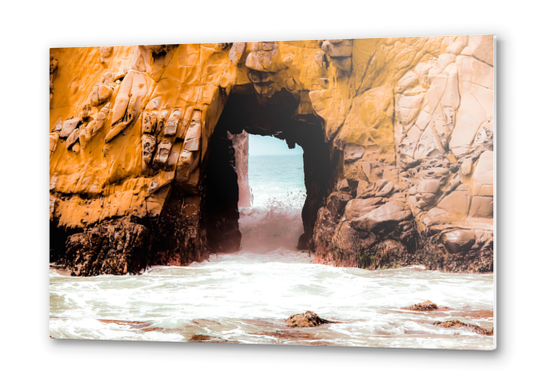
{"x":268,"y":145}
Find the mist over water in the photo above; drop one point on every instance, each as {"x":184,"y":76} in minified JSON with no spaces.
{"x":245,"y":296}
{"x":278,"y":191}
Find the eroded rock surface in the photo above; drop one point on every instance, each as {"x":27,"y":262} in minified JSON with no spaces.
{"x":307,"y":319}
{"x":459,"y":324}
{"x":112,"y":247}
{"x":397,"y":136}
{"x":426,"y":306}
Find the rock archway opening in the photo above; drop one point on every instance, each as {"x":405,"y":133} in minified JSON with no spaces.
{"x":277,"y":194}
{"x":275,"y":174}
{"x":230,"y":212}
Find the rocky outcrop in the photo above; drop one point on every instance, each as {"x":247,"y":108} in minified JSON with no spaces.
{"x":433,"y":203}
{"x":426,"y":306}
{"x":458,"y":324}
{"x":240,"y":147}
{"x":112,"y":247}
{"x":397,"y":137}
{"x":209,"y":339}
{"x":307,"y":319}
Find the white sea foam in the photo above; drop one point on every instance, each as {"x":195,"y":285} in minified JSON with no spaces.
{"x":274,"y":220}
{"x":265,"y":229}
{"x":245,"y":296}
{"x":229,"y":295}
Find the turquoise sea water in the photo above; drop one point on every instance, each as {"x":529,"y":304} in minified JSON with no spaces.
{"x":277,"y":180}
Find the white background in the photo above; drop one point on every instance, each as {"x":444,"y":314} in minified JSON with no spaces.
{"x":29,"y":30}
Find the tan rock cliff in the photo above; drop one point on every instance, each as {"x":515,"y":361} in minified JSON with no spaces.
{"x":397,"y":136}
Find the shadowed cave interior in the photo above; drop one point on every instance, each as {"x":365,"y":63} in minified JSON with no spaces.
{"x":278,"y":117}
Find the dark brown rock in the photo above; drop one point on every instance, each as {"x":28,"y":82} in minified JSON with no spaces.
{"x":114,"y":247}
{"x":458,"y":240}
{"x":359,"y":207}
{"x":392,"y":212}
{"x":324,"y":230}
{"x":459,"y":324}
{"x":348,"y":236}
{"x":209,"y":339}
{"x":307,"y":319}
{"x":336,"y":203}
{"x":200,"y":338}
{"x":426,"y":306}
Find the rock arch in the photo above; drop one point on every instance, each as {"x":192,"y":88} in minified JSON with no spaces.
{"x":278,"y":117}
{"x":397,"y":134}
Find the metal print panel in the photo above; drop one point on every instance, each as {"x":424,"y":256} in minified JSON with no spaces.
{"x":320,"y":192}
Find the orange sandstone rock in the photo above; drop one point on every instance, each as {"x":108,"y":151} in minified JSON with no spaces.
{"x":408,"y":121}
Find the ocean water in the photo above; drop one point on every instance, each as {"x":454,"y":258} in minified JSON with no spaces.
{"x":244,"y":297}
{"x":278,"y":194}
{"x":277,"y":181}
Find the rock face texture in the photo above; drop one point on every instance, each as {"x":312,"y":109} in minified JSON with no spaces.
{"x":307,"y":319}
{"x":240,"y":146}
{"x":397,"y":136}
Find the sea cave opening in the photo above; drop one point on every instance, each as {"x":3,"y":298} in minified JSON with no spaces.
{"x":298,"y":177}
{"x":275,"y":173}
{"x":276,"y":188}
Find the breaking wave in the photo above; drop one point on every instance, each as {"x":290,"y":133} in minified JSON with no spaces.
{"x":274,"y":225}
